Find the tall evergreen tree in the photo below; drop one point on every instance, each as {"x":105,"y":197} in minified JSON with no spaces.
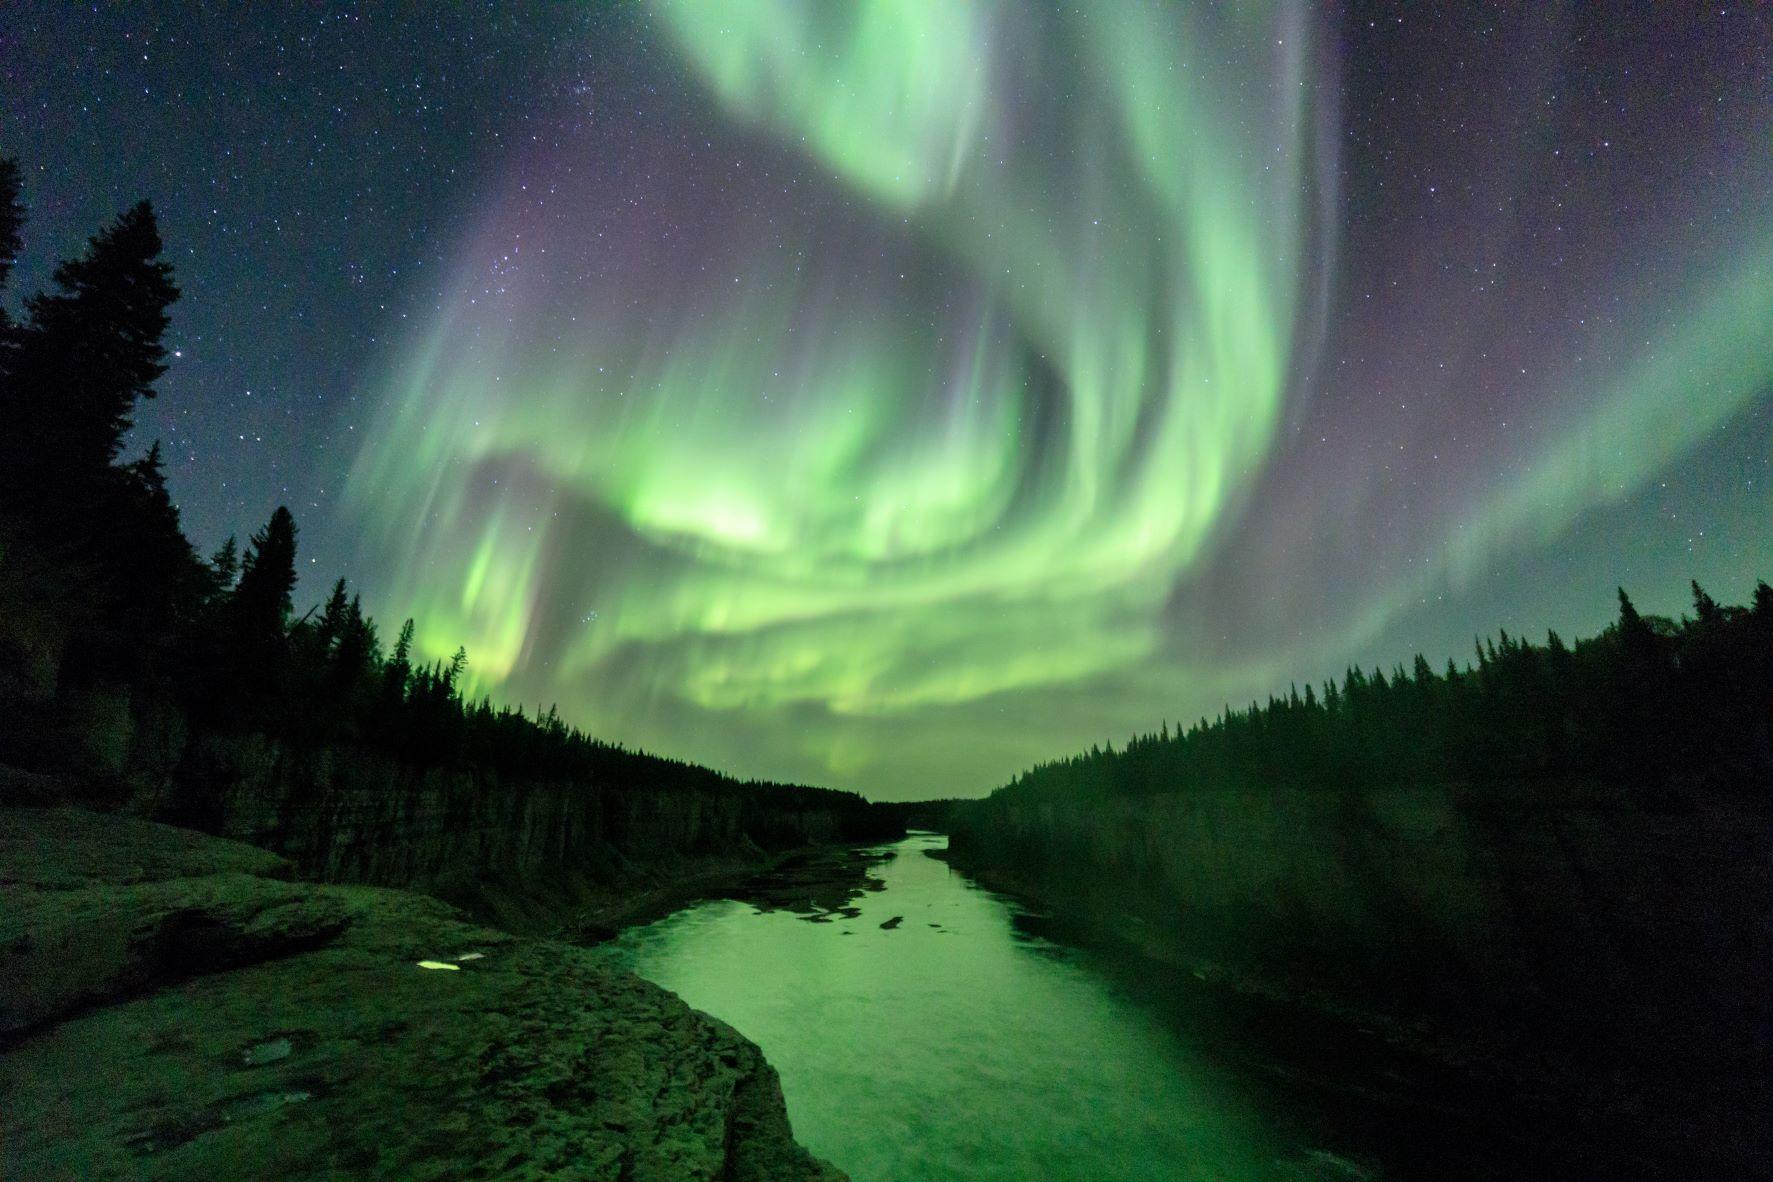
{"x":1704,"y":606}
{"x":12,"y":222}
{"x":333,"y":617}
{"x":146,"y":555}
{"x":85,"y":355}
{"x":399,"y":668}
{"x":262,"y":599}
{"x":356,"y":649}
{"x":1630,"y":622}
{"x":224,"y":565}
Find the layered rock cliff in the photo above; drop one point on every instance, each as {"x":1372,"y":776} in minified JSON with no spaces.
{"x":1624,"y":936}
{"x":529,"y":853}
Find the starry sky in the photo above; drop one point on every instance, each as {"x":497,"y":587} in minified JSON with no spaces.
{"x":891,"y":395}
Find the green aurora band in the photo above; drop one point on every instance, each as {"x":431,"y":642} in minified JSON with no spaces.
{"x":897,"y":503}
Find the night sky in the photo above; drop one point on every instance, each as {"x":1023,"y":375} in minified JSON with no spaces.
{"x":892,"y":395}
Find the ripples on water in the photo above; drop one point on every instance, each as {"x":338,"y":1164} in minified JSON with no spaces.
{"x":953,"y":1046}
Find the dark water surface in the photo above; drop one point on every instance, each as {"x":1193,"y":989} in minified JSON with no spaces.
{"x":954,"y":1044}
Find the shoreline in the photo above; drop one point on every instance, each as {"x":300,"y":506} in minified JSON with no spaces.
{"x":255,"y":1024}
{"x":1638,"y":1123}
{"x":834,"y":873}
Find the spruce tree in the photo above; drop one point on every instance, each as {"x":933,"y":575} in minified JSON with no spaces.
{"x":148,"y":562}
{"x":332,"y":617}
{"x":458,"y":664}
{"x":12,"y":221}
{"x":1704,"y":606}
{"x":1634,"y":633}
{"x":262,"y":600}
{"x":224,"y":565}
{"x":86,"y":354}
{"x":399,"y":668}
{"x":403,"y":645}
{"x":356,"y":649}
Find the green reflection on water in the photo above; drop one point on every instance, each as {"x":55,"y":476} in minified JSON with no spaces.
{"x":962,"y":1050}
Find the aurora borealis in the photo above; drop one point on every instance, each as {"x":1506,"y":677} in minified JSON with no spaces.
{"x":891,"y":395}
{"x":781,"y":486}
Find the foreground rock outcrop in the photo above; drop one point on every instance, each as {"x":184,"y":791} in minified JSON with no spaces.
{"x":174,"y":1006}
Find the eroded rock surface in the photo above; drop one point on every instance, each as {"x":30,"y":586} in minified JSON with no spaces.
{"x":172,"y":1008}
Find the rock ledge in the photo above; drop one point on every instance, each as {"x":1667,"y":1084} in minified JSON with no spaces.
{"x":173,"y":1007}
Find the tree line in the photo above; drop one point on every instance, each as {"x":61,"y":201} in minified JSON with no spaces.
{"x":1648,"y":708}
{"x":99,"y":586}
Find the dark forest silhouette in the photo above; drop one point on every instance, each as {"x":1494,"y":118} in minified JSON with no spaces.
{"x":99,"y":587}
{"x":1649,"y":711}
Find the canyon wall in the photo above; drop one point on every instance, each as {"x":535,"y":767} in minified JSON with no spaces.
{"x":528,"y":854}
{"x":1638,"y":934}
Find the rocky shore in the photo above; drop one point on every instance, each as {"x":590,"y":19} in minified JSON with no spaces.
{"x":815,"y":882}
{"x":175,"y":1005}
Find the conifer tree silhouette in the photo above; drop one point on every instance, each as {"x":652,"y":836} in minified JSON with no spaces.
{"x":83,"y":358}
{"x":224,"y":565}
{"x":12,"y":224}
{"x":263,"y":598}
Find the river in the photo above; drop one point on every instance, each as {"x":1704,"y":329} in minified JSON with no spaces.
{"x":954,"y":1044}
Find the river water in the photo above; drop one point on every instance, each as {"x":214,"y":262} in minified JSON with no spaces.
{"x":953,"y":1044}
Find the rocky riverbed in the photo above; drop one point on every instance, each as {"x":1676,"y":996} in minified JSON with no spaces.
{"x":175,"y":1006}
{"x":818,"y":883}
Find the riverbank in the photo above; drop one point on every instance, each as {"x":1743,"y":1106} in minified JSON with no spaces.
{"x":176,"y":1005}
{"x":1293,"y":923}
{"x":815,"y":881}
